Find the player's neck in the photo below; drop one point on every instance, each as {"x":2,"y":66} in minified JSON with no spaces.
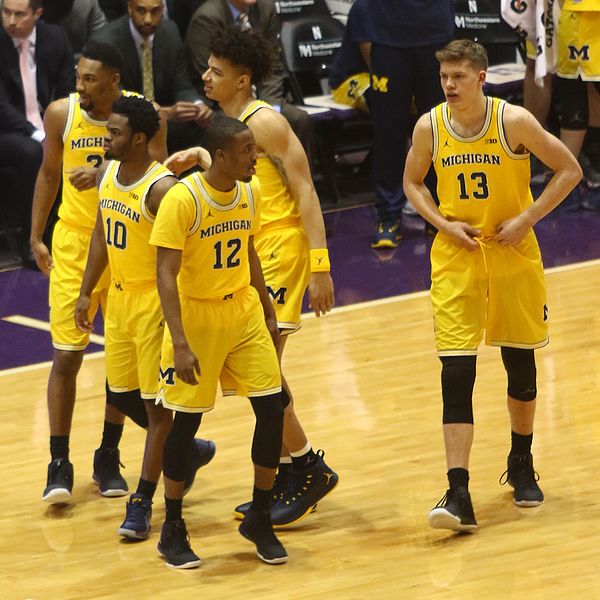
{"x":219,"y":180}
{"x":102,"y":110}
{"x":235,"y":106}
{"x":468,"y":119}
{"x":134,"y":169}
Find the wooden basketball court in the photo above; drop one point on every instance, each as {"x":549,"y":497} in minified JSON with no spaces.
{"x":366,"y":382}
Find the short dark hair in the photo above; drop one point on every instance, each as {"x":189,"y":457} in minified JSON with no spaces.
{"x":458,"y":50}
{"x":245,"y":48}
{"x":219,"y":133}
{"x":107,"y":54}
{"x":141,"y":114}
{"x":35,"y":4}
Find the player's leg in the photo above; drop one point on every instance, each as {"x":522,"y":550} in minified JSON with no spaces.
{"x":521,"y":402}
{"x":174,"y":542}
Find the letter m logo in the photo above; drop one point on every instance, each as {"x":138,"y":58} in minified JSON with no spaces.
{"x":583,"y":52}
{"x":279,"y":295}
{"x":380,"y":84}
{"x":168,"y":375}
{"x":304,"y":50}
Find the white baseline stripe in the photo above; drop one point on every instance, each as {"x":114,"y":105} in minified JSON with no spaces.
{"x":44,"y":326}
{"x":341,"y":309}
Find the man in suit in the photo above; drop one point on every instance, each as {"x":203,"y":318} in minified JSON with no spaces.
{"x":36,"y":67}
{"x":154,"y":65}
{"x":211,"y":19}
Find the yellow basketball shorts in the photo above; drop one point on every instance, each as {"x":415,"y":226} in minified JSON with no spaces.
{"x":69,"y":256}
{"x":232,"y":344}
{"x":284,"y":256}
{"x":133,"y":330}
{"x":496,"y":289}
{"x":579,"y":45}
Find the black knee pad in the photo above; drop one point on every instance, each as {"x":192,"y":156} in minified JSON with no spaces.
{"x":458,"y":380}
{"x":178,"y":445}
{"x":574,"y":100}
{"x":521,"y":372}
{"x":268,"y":433}
{"x":130,"y":404}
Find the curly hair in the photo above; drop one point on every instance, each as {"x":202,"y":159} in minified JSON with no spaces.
{"x":141,"y":114}
{"x":246,"y":49}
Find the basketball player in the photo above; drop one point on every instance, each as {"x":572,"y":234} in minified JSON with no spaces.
{"x":132,"y":186}
{"x":486,"y":267}
{"x":211,"y":290}
{"x":291,"y":244}
{"x":75,"y":128}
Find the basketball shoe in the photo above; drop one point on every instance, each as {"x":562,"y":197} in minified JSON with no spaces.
{"x":523,"y":479}
{"x":174,"y":545}
{"x":454,"y":511}
{"x":203,"y":452}
{"x":279,"y":485}
{"x":387,"y":235}
{"x":257,"y":528}
{"x":138,"y":514}
{"x":107,"y":474}
{"x":60,"y":482}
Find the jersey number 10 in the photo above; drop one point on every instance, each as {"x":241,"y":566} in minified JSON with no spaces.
{"x":116,"y":236}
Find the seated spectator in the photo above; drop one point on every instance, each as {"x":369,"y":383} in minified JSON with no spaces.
{"x":154,"y":65}
{"x":79,"y":19}
{"x":211,"y":19}
{"x":349,"y":76}
{"x":36,"y":67}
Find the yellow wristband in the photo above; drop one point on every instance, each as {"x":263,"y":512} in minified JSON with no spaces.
{"x":319,"y":261}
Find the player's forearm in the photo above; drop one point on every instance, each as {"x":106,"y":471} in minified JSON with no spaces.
{"x":422,"y":201}
{"x":257,"y":281}
{"x":312,"y":219}
{"x":46,"y":188}
{"x":171,"y":307}
{"x":96,"y":263}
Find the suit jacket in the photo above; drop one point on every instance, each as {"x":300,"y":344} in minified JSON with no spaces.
{"x":85,"y":18}
{"x":211,"y":19}
{"x":55,"y":76}
{"x":171,"y":79}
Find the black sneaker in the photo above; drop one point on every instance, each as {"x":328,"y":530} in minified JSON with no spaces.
{"x":138,"y":515}
{"x":257,"y":528}
{"x":521,"y":476}
{"x":203,"y":452}
{"x":107,"y":474}
{"x":303,"y":492}
{"x":454,"y":511}
{"x":60,"y":482}
{"x":174,"y":545}
{"x":279,"y":485}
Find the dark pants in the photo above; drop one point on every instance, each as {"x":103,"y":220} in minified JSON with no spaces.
{"x":398,"y":76}
{"x":20,"y":158}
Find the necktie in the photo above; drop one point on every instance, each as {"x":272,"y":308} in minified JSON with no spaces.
{"x":32,"y":110}
{"x":147,"y":75}
{"x":244,"y":21}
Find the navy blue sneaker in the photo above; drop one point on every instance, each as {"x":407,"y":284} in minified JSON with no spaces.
{"x":174,"y":545}
{"x":306,"y":488}
{"x":279,"y":485}
{"x":60,"y":482}
{"x":521,"y":476}
{"x":138,"y":514}
{"x":387,"y":235}
{"x":203,"y":452}
{"x":257,"y":528}
{"x":107,"y":474}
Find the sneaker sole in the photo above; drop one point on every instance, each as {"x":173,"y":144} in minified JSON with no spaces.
{"x":440,"y":518}
{"x":188,"y":565}
{"x":240,"y":515}
{"x":132,"y":534}
{"x":58,"y":496}
{"x":528,"y":503}
{"x":282,"y":525}
{"x":112,"y":493}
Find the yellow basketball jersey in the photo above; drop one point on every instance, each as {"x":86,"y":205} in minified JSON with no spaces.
{"x":212,"y":228}
{"x":582,"y":5}
{"x":278,"y":203}
{"x":481,"y":181}
{"x":128,"y":225}
{"x":83,"y":138}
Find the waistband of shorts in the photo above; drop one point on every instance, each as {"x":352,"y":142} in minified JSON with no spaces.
{"x":279,"y":225}
{"x":77,"y":228}
{"x":220,"y":299}
{"x":142,"y":286}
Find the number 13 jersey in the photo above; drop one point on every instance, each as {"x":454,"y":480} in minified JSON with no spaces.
{"x":481,"y":181}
